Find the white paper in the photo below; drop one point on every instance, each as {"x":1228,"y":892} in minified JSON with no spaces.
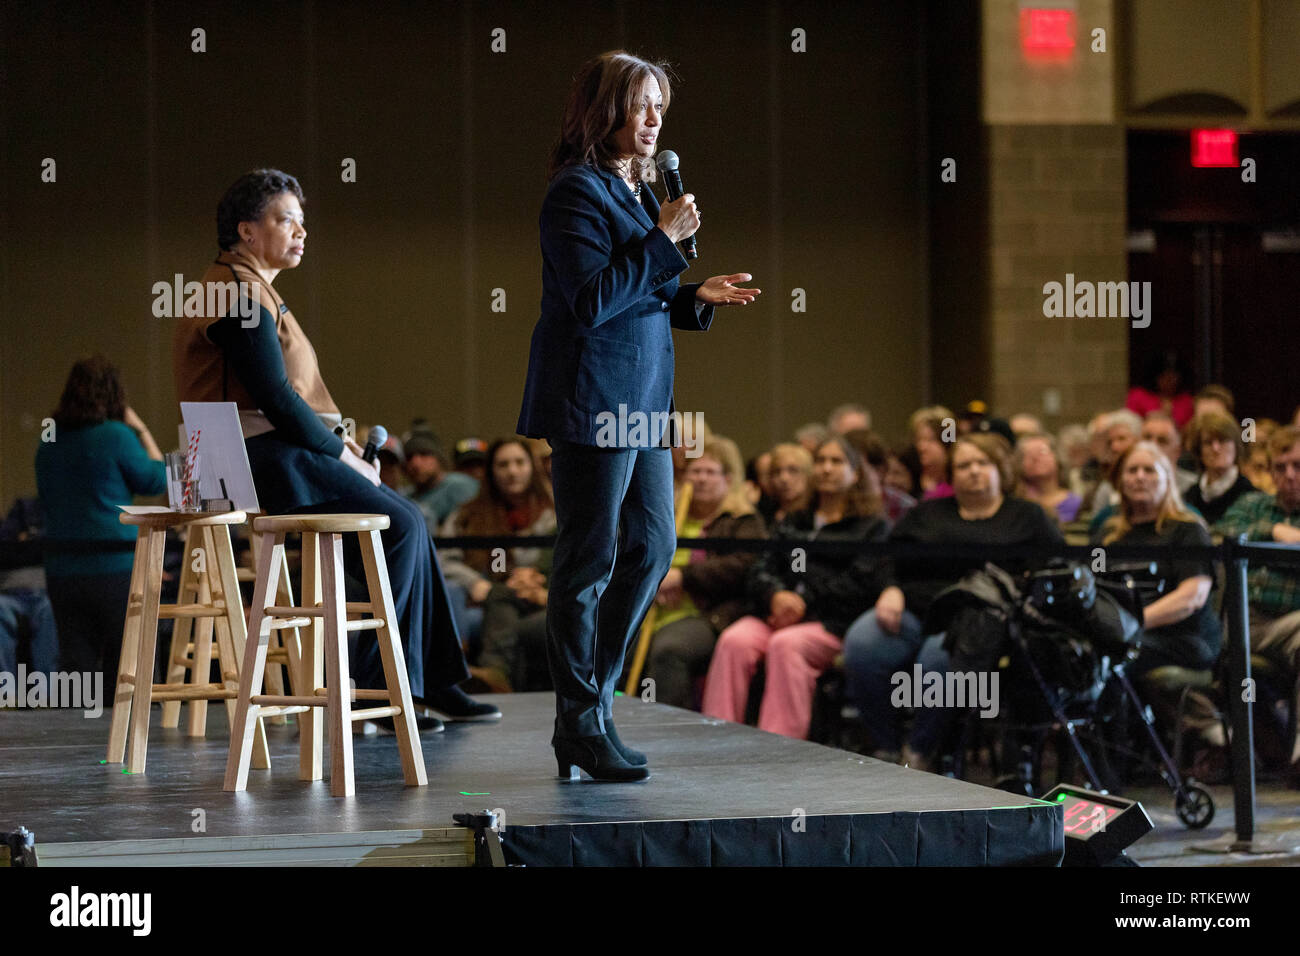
{"x":224,"y":471}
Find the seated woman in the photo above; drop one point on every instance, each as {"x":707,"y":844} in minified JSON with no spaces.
{"x":903,"y":470}
{"x":1039,"y":471}
{"x":876,"y":454}
{"x":806,"y":600}
{"x":1215,"y":442}
{"x":1179,"y":627}
{"x":704,"y":591}
{"x":927,"y":427}
{"x":890,"y":639}
{"x":790,"y":475}
{"x":267,"y":366}
{"x":514,"y":499}
{"x":100,"y":456}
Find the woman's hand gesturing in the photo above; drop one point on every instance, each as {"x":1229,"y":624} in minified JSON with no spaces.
{"x":721,"y":290}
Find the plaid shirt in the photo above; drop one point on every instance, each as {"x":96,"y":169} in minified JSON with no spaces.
{"x":1272,"y":590}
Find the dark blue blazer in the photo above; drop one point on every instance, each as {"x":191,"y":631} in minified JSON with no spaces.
{"x":610,"y":299}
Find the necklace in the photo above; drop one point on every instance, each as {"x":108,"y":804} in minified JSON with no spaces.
{"x":636,"y":190}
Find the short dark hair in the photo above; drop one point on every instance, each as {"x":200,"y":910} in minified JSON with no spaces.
{"x":247,"y":199}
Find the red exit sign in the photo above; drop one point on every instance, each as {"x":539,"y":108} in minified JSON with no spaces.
{"x":1214,"y":147}
{"x":1047,"y":30}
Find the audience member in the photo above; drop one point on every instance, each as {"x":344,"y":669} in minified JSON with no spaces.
{"x":1121,"y":430}
{"x":791,"y":477}
{"x":1215,"y":398}
{"x":514,"y":499}
{"x":436,"y":491}
{"x":1274,"y":590}
{"x":846,"y":418}
{"x":1164,"y":389}
{"x":811,"y":436}
{"x":891,"y":638}
{"x":1072,"y":445}
{"x":903,"y":470}
{"x":929,"y":428}
{"x":1160,"y":429}
{"x":1180,"y":628}
{"x":1255,"y":466}
{"x":1038,"y":471}
{"x":101,"y":455}
{"x":975,"y":412}
{"x":27,"y":630}
{"x":1215,"y":441}
{"x":1023,"y":423}
{"x":704,"y":591}
{"x":758,"y":483}
{"x":471,"y":458}
{"x":804,"y":599}
{"x":876,"y":454}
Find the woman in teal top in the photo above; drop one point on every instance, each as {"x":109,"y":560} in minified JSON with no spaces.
{"x":100,"y":456}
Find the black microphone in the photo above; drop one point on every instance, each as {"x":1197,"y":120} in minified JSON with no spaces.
{"x":668,"y":164}
{"x":378,"y":435}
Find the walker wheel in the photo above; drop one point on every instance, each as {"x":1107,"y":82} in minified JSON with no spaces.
{"x":1194,"y":805}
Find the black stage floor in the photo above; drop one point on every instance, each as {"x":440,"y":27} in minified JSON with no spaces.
{"x":720,"y":794}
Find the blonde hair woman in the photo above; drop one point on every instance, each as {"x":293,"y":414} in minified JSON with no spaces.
{"x":1179,"y":626}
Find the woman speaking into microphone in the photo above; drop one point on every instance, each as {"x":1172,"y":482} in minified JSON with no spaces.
{"x":602,"y":352}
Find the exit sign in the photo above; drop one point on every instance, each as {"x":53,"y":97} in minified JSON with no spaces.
{"x":1047,"y":30}
{"x":1214,"y":147}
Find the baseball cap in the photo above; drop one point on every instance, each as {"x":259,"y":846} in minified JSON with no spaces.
{"x":470,"y":450}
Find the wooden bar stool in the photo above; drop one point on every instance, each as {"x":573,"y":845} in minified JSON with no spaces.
{"x":326,"y":608}
{"x":283,"y":653}
{"x":192,"y":647}
{"x":208,"y":577}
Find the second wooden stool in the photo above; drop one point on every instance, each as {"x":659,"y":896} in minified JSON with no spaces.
{"x":325,"y":607}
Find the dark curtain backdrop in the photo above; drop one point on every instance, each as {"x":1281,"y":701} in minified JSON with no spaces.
{"x":808,"y":164}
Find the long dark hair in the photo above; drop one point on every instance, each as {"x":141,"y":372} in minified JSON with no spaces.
{"x":486,"y":514}
{"x":93,"y":393}
{"x":862,"y":499}
{"x":604,"y":93}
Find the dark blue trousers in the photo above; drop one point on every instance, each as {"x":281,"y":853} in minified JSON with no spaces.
{"x":614,"y":542}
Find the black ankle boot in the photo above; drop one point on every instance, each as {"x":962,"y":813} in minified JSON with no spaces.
{"x":635,"y":757}
{"x":597,"y":756}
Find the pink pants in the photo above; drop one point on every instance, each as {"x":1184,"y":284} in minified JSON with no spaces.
{"x":796,"y":655}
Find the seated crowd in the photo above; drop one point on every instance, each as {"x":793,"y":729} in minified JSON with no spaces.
{"x":742,"y":634}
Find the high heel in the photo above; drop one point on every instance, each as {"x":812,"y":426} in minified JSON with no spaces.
{"x":598,"y":757}
{"x":635,"y":757}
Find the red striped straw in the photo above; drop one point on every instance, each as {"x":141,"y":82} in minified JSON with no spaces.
{"x":191,"y":456}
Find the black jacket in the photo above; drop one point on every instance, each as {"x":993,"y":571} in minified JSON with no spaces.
{"x":836,"y":587}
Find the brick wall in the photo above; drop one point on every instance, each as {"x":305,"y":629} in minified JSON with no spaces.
{"x":1057,"y":205}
